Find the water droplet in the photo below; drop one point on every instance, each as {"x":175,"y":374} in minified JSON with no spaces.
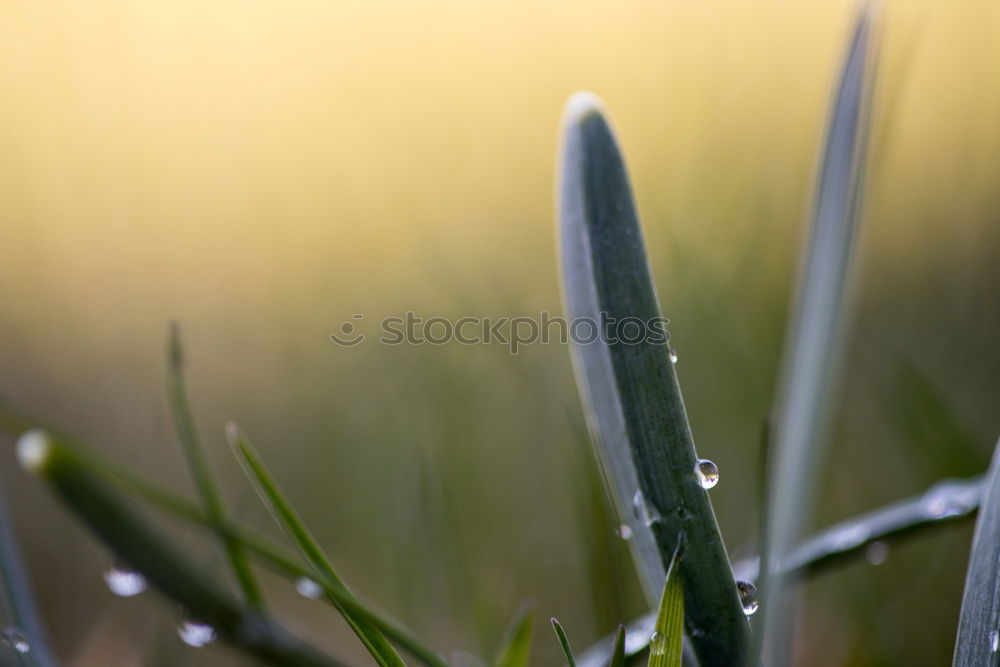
{"x":625,"y":531}
{"x":308,"y":588}
{"x":994,"y":639}
{"x":748,"y":597}
{"x":124,"y":582}
{"x":945,"y":500}
{"x":707,"y":473}
{"x":658,"y":643}
{"x":196,"y":634}
{"x":643,"y":511}
{"x":673,"y":355}
{"x":16,"y":639}
{"x":877,"y":552}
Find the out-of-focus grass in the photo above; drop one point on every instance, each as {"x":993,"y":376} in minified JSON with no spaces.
{"x":261,"y":173}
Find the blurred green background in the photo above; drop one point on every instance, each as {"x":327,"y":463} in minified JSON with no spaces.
{"x":261,"y":171}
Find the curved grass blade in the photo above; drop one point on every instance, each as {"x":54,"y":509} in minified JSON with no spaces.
{"x":618,"y":649}
{"x":634,"y":407}
{"x":516,"y":649}
{"x":286,"y":517}
{"x":563,"y":642}
{"x":816,"y":328}
{"x":195,"y":455}
{"x":978,"y":642}
{"x":666,"y":644}
{"x":131,"y":537}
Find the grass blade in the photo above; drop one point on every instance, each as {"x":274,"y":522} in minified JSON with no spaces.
{"x":666,"y":644}
{"x":516,"y":649}
{"x":564,"y":642}
{"x":373,"y":639}
{"x":634,"y":406}
{"x":816,"y":328}
{"x":195,"y":456}
{"x":131,"y":537}
{"x":123,"y":482}
{"x":20,"y":599}
{"x":618,"y":649}
{"x":978,"y":642}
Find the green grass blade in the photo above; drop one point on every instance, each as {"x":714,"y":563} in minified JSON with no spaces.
{"x":814,"y":345}
{"x":134,"y":541}
{"x":516,"y":648}
{"x":16,"y":422}
{"x":20,"y":598}
{"x":634,"y":406}
{"x":564,"y":642}
{"x":618,"y":649}
{"x":666,"y":644}
{"x":978,"y":642}
{"x":195,"y":456}
{"x":373,"y":639}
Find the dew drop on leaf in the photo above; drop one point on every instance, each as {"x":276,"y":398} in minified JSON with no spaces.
{"x":638,"y":505}
{"x":877,"y":552}
{"x":707,"y":473}
{"x":658,"y":643}
{"x":748,"y":597}
{"x":196,"y":634}
{"x":308,"y":588}
{"x":15,"y":638}
{"x":124,"y":582}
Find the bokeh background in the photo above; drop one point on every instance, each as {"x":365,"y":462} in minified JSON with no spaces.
{"x":261,"y":171}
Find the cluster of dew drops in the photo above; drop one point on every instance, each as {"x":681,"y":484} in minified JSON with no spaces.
{"x":127,"y":583}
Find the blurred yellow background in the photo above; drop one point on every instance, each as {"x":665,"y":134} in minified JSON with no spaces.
{"x":261,"y":171}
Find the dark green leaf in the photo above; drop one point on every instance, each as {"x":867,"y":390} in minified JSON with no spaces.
{"x":633,"y":400}
{"x":134,"y":541}
{"x":978,"y":643}
{"x":564,"y":642}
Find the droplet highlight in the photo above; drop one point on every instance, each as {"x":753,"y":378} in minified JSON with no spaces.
{"x":748,"y":597}
{"x":642,"y":511}
{"x":638,"y":505}
{"x":994,"y":639}
{"x":945,"y":500}
{"x":672,"y":354}
{"x":308,"y":588}
{"x":877,"y":552}
{"x":16,"y":639}
{"x":707,"y":473}
{"x":123,"y":582}
{"x":658,"y":643}
{"x":196,"y":634}
{"x":625,"y":531}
